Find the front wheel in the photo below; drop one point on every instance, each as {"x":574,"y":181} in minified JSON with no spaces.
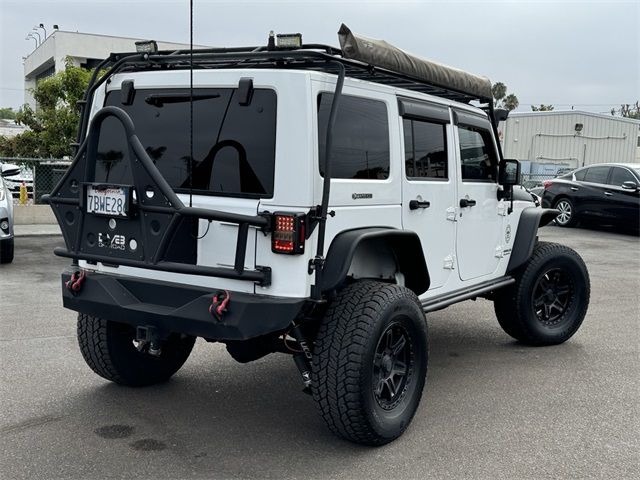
{"x":370,"y":362}
{"x":110,"y":350}
{"x":549,"y":300}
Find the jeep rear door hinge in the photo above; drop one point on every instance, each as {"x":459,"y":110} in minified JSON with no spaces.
{"x":452,"y":213}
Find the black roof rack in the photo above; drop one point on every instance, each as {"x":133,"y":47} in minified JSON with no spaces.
{"x":314,"y":57}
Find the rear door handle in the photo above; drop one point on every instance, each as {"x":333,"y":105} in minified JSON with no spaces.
{"x":416,"y":204}
{"x":466,"y":202}
{"x":575,"y":189}
{"x":608,"y":194}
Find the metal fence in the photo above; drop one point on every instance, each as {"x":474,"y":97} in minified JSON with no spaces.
{"x":535,"y":180}
{"x":40,"y":175}
{"x":37,"y":177}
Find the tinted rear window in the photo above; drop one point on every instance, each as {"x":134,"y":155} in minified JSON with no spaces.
{"x":597,"y":174}
{"x":360,"y":137}
{"x":233,"y":145}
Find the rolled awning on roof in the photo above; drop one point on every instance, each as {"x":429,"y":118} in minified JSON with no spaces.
{"x":382,"y":54}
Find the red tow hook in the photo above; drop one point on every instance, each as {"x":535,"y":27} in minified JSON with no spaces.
{"x":219,"y":304}
{"x":74,"y":284}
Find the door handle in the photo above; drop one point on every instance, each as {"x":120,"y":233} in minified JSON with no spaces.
{"x":575,"y":189}
{"x":466,"y":202}
{"x":416,"y":204}
{"x":608,"y":194}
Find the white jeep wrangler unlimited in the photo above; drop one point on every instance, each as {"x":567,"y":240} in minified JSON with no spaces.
{"x":300,"y":199}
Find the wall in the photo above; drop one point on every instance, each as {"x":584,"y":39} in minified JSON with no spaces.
{"x":551,"y":137}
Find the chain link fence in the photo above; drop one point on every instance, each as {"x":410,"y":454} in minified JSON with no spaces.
{"x":38,"y":176}
{"x":41,"y":175}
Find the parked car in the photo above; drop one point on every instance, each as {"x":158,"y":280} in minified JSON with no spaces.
{"x":6,"y":215}
{"x":537,"y":191}
{"x":604,"y":193}
{"x":20,"y":175}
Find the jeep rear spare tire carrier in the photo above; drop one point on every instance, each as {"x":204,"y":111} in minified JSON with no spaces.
{"x":549,"y":300}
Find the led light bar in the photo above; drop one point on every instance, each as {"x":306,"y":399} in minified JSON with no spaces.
{"x":146,"y":46}
{"x":289,"y":40}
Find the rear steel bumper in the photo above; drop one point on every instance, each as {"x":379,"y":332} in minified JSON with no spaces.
{"x":177,"y":308}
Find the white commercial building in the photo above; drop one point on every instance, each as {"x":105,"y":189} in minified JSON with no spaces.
{"x":83,"y":49}
{"x":570,"y":138}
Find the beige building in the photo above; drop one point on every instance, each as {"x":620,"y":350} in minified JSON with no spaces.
{"x":572,"y":138}
{"x":84,"y":49}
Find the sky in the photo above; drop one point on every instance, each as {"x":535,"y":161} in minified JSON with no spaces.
{"x":584,"y":54}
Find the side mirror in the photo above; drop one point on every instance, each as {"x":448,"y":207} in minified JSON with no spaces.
{"x":9,"y":170}
{"x":509,"y":173}
{"x":633,"y":186}
{"x":500,"y":115}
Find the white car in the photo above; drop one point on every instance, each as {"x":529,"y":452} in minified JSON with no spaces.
{"x":6,"y":215}
{"x":14,"y":181}
{"x":329,"y":199}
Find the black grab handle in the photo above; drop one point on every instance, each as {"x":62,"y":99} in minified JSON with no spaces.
{"x":466,"y":202}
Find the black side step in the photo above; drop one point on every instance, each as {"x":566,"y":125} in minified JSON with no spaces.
{"x":441,"y":301}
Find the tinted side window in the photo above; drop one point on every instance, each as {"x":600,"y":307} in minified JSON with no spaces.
{"x":597,"y":174}
{"x":477,"y":154}
{"x":621,"y":175}
{"x":360,"y":137}
{"x":425,"y":149}
{"x":580,"y":174}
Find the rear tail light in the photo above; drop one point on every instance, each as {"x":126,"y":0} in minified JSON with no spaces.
{"x":546,"y":184}
{"x":288,"y":234}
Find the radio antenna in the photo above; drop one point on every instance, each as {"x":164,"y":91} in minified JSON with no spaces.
{"x":190,"y":172}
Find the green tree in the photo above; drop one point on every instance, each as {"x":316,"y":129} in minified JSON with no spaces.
{"x":7,"y":113}
{"x":54,"y":124}
{"x":501,"y":99}
{"x":542,"y":108}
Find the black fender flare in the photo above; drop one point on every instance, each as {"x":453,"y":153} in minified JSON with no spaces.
{"x":531,"y":219}
{"x":404,"y":244}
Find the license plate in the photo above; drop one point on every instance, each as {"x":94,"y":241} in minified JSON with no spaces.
{"x":112,"y":201}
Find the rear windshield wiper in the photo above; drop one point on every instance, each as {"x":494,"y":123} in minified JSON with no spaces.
{"x":159,"y":99}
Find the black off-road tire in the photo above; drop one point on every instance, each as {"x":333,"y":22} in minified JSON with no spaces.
{"x":357,"y":332}
{"x":522,"y":307}
{"x":108,"y":349}
{"x":567,"y":216}
{"x":6,"y":250}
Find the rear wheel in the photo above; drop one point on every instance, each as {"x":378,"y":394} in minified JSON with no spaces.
{"x":6,"y":250}
{"x":370,"y":362}
{"x":110,"y":350}
{"x":549,"y":300}
{"x":566,"y":217}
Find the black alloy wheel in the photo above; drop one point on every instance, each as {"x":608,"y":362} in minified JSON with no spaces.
{"x":552,"y":296}
{"x":392,"y":366}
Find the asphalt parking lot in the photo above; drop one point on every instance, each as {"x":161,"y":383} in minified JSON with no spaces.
{"x":492,"y":408}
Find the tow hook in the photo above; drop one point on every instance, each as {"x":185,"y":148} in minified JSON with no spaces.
{"x":219,"y":304}
{"x":74,"y":284}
